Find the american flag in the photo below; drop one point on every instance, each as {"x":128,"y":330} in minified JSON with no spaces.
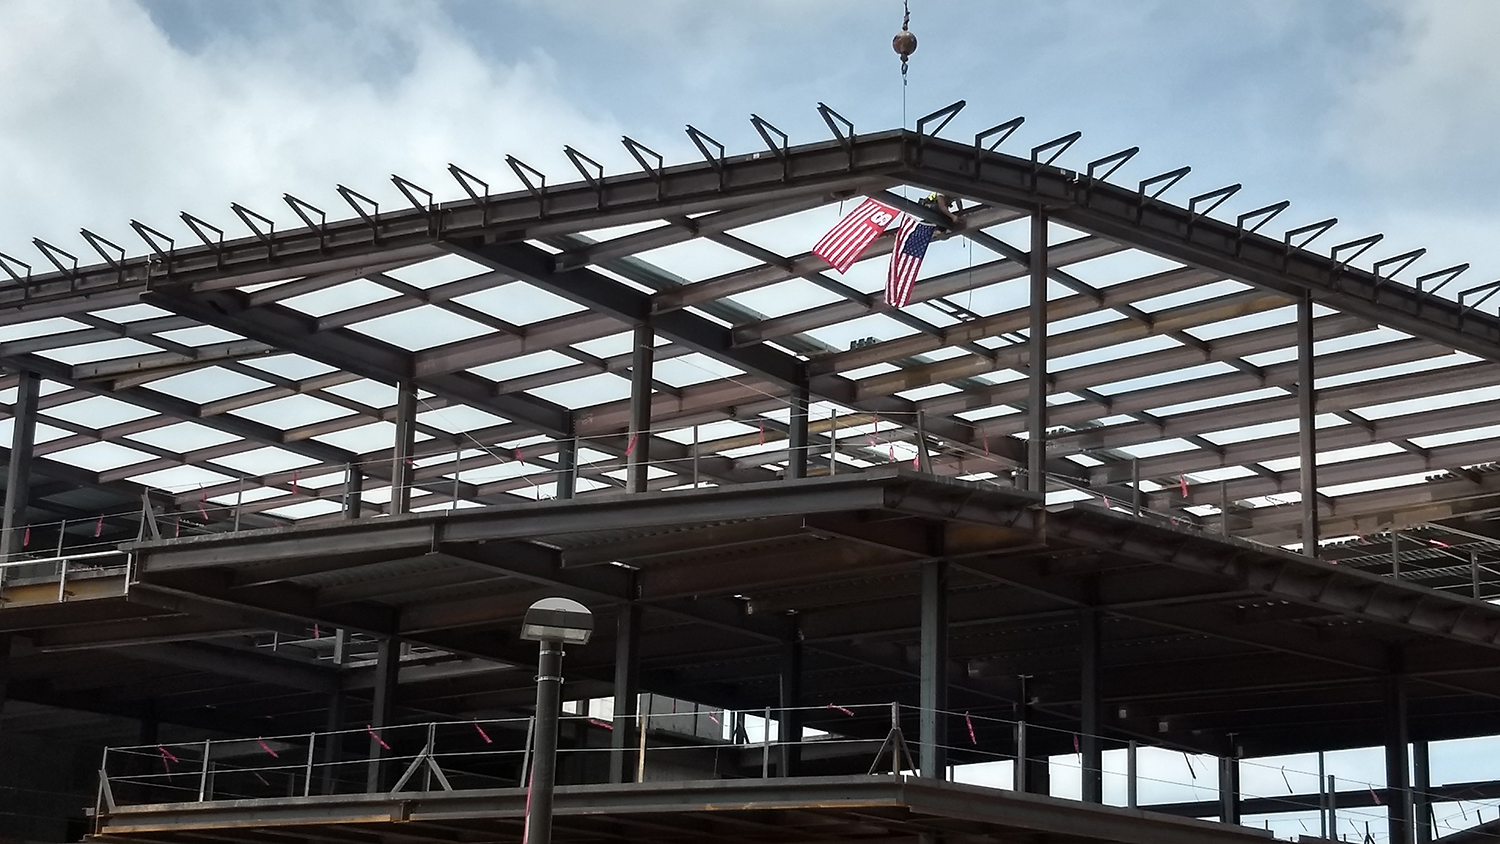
{"x":912,"y":240}
{"x":845,"y":242}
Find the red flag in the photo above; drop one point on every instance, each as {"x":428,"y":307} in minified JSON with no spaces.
{"x":1182,"y":484}
{"x":374,"y":735}
{"x":912,"y":240}
{"x":848,"y":240}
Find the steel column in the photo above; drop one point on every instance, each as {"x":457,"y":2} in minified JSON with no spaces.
{"x":406,"y":439}
{"x":933,"y":734}
{"x":354,"y":488}
{"x":1036,"y":445}
{"x":1229,"y":789}
{"x":638,"y":450}
{"x":1398,"y":791}
{"x":622,"y":739}
{"x":1306,"y":425}
{"x":383,"y":708}
{"x":1033,"y":768}
{"x":797,"y":444}
{"x":4,"y":668}
{"x":1090,"y":745}
{"x":790,"y":698}
{"x":1421,"y":802}
{"x":567,"y":467}
{"x":18,"y":473}
{"x":334,"y":741}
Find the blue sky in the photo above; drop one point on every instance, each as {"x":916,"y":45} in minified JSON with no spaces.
{"x":1381,"y":113}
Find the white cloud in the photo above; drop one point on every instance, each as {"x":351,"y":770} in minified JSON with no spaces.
{"x":105,"y":119}
{"x":1426,"y":102}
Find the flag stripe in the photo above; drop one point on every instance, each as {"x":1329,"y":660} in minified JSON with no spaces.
{"x":912,"y":239}
{"x":851,"y":236}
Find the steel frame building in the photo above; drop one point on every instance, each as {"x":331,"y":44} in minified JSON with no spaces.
{"x":1171,"y":479}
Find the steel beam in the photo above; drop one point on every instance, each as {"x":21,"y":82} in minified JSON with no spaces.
{"x":1091,"y":704}
{"x":1229,"y":788}
{"x":1036,"y":398}
{"x":1307,"y":425}
{"x":1422,"y":791}
{"x":383,"y":707}
{"x":933,"y":734}
{"x":797,"y":438}
{"x":623,"y":738}
{"x":1397,"y":737}
{"x":567,"y":468}
{"x":789,"y":700}
{"x":638,"y":452}
{"x":1126,"y":215}
{"x":18,"y":468}
{"x":354,"y":482}
{"x":402,"y":467}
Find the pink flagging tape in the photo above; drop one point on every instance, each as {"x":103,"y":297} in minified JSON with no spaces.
{"x":294,"y":483}
{"x":1182,"y":484}
{"x":267,"y":748}
{"x":969,"y":722}
{"x":167,"y":754}
{"x":374,"y":735}
{"x":835,"y":707}
{"x":26,"y":537}
{"x":99,"y":527}
{"x":482,"y":734}
{"x":1374,"y":796}
{"x":203,"y":511}
{"x":630,"y":446}
{"x":1075,"y":744}
{"x":317,"y":632}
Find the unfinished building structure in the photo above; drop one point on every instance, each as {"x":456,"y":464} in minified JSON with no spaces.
{"x":1128,"y":472}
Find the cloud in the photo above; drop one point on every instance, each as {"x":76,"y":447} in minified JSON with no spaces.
{"x":106,"y":119}
{"x":1424,"y":107}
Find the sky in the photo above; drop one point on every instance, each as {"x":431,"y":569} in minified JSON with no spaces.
{"x":1381,"y":113}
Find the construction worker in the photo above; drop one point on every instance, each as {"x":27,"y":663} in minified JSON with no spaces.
{"x":941,"y":203}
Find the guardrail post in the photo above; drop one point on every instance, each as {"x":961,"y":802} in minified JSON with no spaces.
{"x":203,"y":772}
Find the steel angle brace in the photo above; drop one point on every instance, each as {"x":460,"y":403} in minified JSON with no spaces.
{"x":428,"y":209}
{"x":595,"y":179}
{"x":944,"y":115}
{"x":844,"y":136}
{"x":425,"y":757}
{"x":1003,"y":130}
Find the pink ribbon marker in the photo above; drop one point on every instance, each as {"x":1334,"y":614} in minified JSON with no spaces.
{"x":631,"y":445}
{"x":99,"y":527}
{"x":482,"y":733}
{"x":202,"y":511}
{"x":970,"y":723}
{"x":267,"y":748}
{"x":838,"y":708}
{"x":374,"y":735}
{"x":166,"y":754}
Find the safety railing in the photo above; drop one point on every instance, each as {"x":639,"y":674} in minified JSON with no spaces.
{"x":708,"y":743}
